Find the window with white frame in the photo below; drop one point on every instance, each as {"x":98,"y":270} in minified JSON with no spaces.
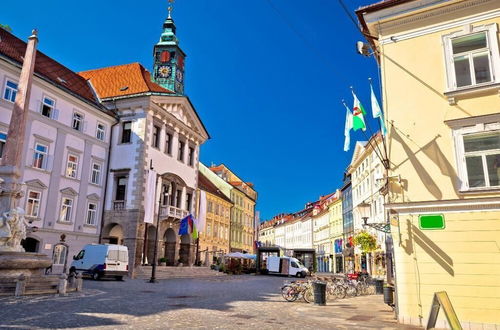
{"x":48,"y":105}
{"x":77,"y":123}
{"x":472,"y":57}
{"x":66,"y":209}
{"x":10,"y":91}
{"x":3,"y":140}
{"x":72,"y":166}
{"x":101,"y":131}
{"x":95,"y":175}
{"x":482,"y":159}
{"x":59,"y":254}
{"x":33,"y":203}
{"x":91,"y":214}
{"x":40,"y":156}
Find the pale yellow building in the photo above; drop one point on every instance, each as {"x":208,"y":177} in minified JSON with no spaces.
{"x":336,"y":233}
{"x":214,"y":238}
{"x":440,"y":70}
{"x":244,"y":197}
{"x":266,"y":233}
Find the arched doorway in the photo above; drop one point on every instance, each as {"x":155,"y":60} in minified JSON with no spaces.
{"x":113,"y":233}
{"x":30,"y":244}
{"x":170,"y":241}
{"x":184,"y":251}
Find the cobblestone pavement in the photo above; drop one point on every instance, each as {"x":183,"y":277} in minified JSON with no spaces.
{"x":228,"y":302}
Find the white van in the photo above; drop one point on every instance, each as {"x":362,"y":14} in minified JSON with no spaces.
{"x":99,"y":260}
{"x":286,"y":266}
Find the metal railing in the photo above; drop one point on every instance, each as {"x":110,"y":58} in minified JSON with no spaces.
{"x":118,"y":205}
{"x":172,"y":211}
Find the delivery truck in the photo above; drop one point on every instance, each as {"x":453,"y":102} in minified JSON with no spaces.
{"x":101,"y":260}
{"x":285,"y":266}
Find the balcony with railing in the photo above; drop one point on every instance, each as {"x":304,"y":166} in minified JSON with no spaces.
{"x":169,"y":211}
{"x":118,"y":205}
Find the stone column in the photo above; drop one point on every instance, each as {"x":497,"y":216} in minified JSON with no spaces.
{"x":12,"y":158}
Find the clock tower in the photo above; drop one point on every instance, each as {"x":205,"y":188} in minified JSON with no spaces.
{"x":168,"y":70}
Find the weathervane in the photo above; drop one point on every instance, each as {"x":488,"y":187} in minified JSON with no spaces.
{"x":170,"y":8}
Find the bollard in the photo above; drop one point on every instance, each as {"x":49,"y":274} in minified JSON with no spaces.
{"x":61,"y":288}
{"x":71,"y":280}
{"x":79,"y":282}
{"x":20,"y":285}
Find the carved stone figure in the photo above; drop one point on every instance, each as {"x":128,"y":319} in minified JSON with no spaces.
{"x":12,"y":230}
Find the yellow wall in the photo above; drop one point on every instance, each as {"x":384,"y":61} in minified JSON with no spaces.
{"x":464,"y":258}
{"x":219,"y":218}
{"x":242,"y":222}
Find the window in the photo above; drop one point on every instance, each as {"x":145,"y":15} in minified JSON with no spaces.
{"x":72,"y":167}
{"x":189,"y":198}
{"x":40,"y":156}
{"x":121,"y":187}
{"x":127,"y":132}
{"x":178,"y":198}
{"x":95,"y":176}
{"x":472,"y":58}
{"x":155,"y":142}
{"x":77,"y":121}
{"x":59,"y":254}
{"x":33,"y":204}
{"x":482,"y":159}
{"x":180,"y":155}
{"x":67,"y":205}
{"x":191,"y":156}
{"x":91,"y":214}
{"x":10,"y":91}
{"x":3,"y":140}
{"x":48,"y":107}
{"x":168,"y":143}
{"x":101,"y":131}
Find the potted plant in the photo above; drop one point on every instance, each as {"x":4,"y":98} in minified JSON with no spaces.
{"x":162,"y":261}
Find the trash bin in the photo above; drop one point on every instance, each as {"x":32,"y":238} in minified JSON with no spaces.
{"x":389,"y":295}
{"x":319,"y":289}
{"x":379,"y":286}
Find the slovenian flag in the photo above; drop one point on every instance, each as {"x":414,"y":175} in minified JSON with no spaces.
{"x":188,"y":227}
{"x":358,"y":113}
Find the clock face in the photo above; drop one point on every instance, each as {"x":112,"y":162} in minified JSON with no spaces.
{"x":164,"y":71}
{"x":179,"y":75}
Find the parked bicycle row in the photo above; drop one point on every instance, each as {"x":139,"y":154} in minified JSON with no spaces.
{"x":336,"y":288}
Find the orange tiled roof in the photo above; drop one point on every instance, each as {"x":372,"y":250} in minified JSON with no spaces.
{"x":216,"y":168}
{"x":236,"y":183}
{"x":47,"y":68}
{"x":122,"y":80}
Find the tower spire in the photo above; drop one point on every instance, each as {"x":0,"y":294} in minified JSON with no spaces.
{"x":170,"y":8}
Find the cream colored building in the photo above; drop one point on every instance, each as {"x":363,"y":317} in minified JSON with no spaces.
{"x":214,"y":238}
{"x":367,"y":176}
{"x":336,"y":233}
{"x":244,"y":197}
{"x":440,"y":68}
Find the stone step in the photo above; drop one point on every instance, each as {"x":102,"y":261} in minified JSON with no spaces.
{"x":163,"y":272}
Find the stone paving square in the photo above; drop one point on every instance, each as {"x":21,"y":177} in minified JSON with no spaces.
{"x":228,"y":302}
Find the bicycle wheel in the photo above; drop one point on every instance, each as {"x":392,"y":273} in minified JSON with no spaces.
{"x":352,"y":291}
{"x":340,"y":292}
{"x":308,"y":295}
{"x":288,"y":293}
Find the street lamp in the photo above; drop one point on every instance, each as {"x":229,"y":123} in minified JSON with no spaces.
{"x":155,"y":253}
{"x":364,"y":210}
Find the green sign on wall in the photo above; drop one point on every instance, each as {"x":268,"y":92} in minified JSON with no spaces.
{"x":431,"y":221}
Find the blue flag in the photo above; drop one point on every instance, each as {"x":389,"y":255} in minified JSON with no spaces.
{"x":184,"y":226}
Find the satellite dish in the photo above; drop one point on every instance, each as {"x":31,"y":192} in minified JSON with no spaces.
{"x":363,"y":49}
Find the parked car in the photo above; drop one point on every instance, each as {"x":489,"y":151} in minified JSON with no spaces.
{"x":101,"y":260}
{"x":285,"y":266}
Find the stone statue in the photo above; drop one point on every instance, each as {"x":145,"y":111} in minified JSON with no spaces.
{"x":12,"y":230}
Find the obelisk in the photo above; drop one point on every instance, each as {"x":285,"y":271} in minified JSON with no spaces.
{"x":10,"y":192}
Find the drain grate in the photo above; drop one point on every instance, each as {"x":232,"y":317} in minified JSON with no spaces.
{"x":181,"y":297}
{"x":360,"y":318}
{"x":242,"y":316}
{"x":179,"y":305}
{"x":148,"y":291}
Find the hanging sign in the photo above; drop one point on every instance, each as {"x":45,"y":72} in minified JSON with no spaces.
{"x":431,"y":221}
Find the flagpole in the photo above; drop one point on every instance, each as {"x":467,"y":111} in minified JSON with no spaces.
{"x":386,"y":158}
{"x":379,"y":153}
{"x":155,"y":253}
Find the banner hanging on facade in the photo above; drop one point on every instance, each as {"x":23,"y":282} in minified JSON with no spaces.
{"x":149,"y":197}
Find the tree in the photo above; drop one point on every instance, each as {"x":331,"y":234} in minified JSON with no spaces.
{"x":6,"y":27}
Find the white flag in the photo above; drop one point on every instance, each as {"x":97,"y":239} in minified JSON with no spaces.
{"x":377,"y":111}
{"x":149,"y":198}
{"x":347,"y":129}
{"x":202,"y":213}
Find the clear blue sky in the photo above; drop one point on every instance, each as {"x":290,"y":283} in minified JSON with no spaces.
{"x":267,"y":88}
